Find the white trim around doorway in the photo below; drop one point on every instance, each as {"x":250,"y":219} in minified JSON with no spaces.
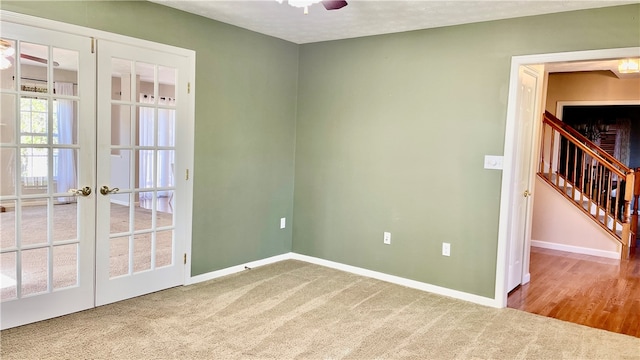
{"x":510,"y":147}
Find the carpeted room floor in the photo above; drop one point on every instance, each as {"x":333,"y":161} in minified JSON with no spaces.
{"x":297,"y":310}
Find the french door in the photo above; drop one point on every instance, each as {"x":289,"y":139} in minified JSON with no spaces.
{"x":90,"y":153}
{"x":139,"y":108}
{"x":47,"y":150}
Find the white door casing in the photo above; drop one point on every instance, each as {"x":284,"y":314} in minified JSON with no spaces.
{"x":510,"y":146}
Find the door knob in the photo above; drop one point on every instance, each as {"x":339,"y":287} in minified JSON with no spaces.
{"x":106,"y":191}
{"x":85,"y":191}
{"x":527,"y":193}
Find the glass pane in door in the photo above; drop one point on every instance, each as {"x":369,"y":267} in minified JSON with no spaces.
{"x":8,"y":225}
{"x":142,"y":251}
{"x":118,"y":256}
{"x":146,"y":72}
{"x":143,"y":211}
{"x":7,"y":63}
{"x":9,"y":170}
{"x":35,"y":271}
{"x":65,"y":221}
{"x":122,"y":85}
{"x":34,"y":222}
{"x":120,"y":126}
{"x":164,"y":248}
{"x":65,"y":264}
{"x":66,"y":76}
{"x":34,"y":67}
{"x":8,"y":106}
{"x":8,"y":276}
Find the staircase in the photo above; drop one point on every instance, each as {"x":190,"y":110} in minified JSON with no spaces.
{"x":591,"y":179}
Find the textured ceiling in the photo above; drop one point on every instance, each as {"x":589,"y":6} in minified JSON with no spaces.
{"x":368,"y":17}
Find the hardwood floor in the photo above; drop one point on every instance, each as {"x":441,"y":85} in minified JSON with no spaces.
{"x":588,"y":290}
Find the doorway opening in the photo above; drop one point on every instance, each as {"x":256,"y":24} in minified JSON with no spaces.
{"x":549,"y":61}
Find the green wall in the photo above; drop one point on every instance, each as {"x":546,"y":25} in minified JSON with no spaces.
{"x":391,"y":135}
{"x":245,"y":122}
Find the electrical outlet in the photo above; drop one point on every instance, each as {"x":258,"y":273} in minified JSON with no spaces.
{"x":283,"y":223}
{"x":387,"y":238}
{"x":446,"y":249}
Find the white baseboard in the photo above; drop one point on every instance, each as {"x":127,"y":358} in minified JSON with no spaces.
{"x":576,"y":249}
{"x":526,"y":278}
{"x":481,"y":300}
{"x":399,"y":281}
{"x":236,"y":269}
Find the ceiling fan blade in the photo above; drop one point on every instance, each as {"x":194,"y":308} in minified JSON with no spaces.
{"x":37,"y":59}
{"x":334,"y":5}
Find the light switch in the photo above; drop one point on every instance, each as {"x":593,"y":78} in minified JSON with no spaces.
{"x":493,"y":162}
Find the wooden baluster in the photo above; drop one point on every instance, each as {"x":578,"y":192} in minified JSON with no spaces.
{"x":553,"y":137}
{"x":575,"y":174}
{"x":565,"y":175}
{"x":611,"y":208}
{"x":614,"y":204}
{"x":584,"y":169}
{"x":598,"y":193}
{"x":591,"y":171}
{"x":542,"y":147}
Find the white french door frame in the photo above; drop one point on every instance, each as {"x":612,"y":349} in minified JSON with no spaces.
{"x":186,"y":153}
{"x":510,"y":146}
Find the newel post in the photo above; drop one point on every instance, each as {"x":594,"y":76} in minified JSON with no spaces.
{"x":628,"y":219}
{"x":634,"y":214}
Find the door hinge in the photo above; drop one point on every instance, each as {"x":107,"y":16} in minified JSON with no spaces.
{"x":185,"y":258}
{"x":186,"y":175}
{"x":93,"y":45}
{"x":188,"y":88}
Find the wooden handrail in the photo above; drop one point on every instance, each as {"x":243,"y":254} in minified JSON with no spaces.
{"x":593,"y":180}
{"x":579,"y":140}
{"x":585,"y":140}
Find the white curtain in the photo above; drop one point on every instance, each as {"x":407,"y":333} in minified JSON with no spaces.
{"x":66,"y":176}
{"x":145,"y":138}
{"x":165,"y":137}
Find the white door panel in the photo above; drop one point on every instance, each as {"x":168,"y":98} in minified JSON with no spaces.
{"x":47,"y":234}
{"x":140,"y":110}
{"x":521,"y":192}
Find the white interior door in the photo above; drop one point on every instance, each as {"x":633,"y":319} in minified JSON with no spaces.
{"x":141,"y":174}
{"x":521,"y":191}
{"x":47,"y":148}
{"x":64,"y":245}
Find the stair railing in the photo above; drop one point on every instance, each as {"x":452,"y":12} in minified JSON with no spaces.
{"x":596,"y":182}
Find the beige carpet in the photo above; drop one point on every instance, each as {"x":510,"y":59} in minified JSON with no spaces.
{"x":296,"y":310}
